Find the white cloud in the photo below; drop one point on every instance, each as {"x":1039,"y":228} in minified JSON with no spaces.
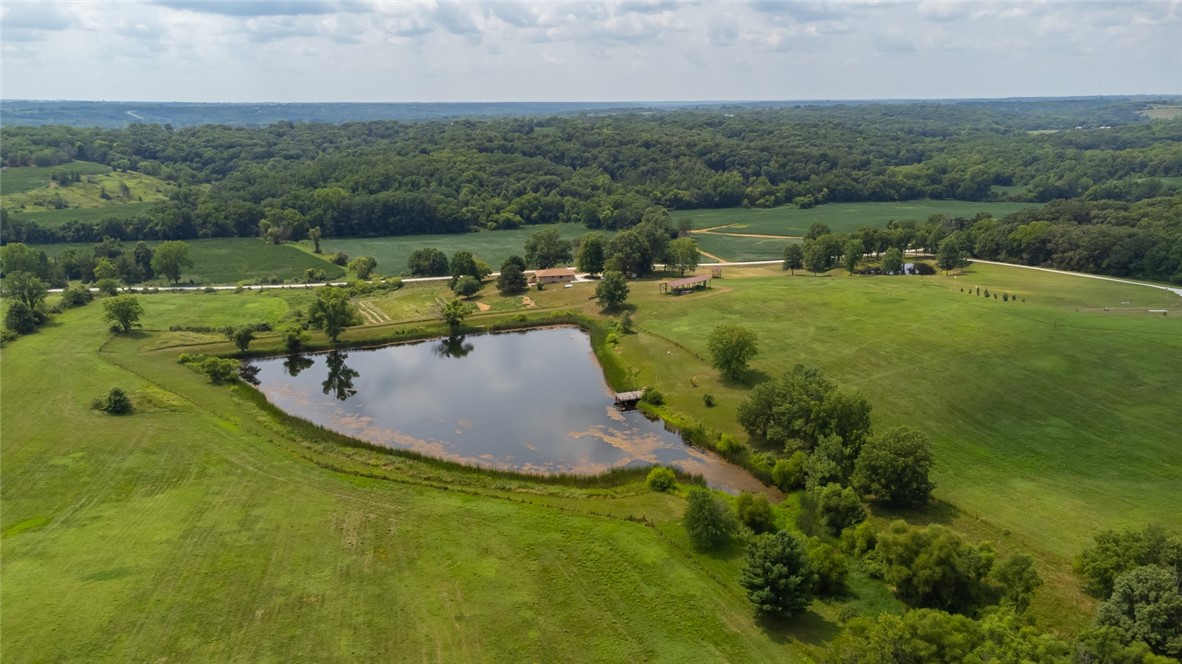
{"x":442,"y":50}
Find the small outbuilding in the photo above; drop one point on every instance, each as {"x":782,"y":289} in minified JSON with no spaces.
{"x":556,"y":275}
{"x":679,"y":286}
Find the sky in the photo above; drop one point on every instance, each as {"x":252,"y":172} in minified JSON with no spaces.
{"x":433,"y":51}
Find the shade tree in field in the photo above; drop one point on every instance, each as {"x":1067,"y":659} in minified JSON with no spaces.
{"x":892,"y":261}
{"x":707,"y":520}
{"x":950,"y":256}
{"x":837,"y":507}
{"x":242,"y":336}
{"x":590,"y":254}
{"x":331,"y":311}
{"x":546,"y":249}
{"x":793,"y":258}
{"x":612,"y":291}
{"x":363,"y":267}
{"x":894,"y":467}
{"x":683,"y":255}
{"x":512,"y":276}
{"x":428,"y":262}
{"x":731,"y":348}
{"x":934,"y":567}
{"x":463,"y":263}
{"x":24,"y":287}
{"x":466,"y":286}
{"x":801,"y":406}
{"x":454,"y":312}
{"x":854,"y":249}
{"x":778,"y":576}
{"x":816,"y":258}
{"x":170,"y":259}
{"x":123,"y":312}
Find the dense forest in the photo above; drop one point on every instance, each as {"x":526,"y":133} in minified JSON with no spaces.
{"x":606,"y":170}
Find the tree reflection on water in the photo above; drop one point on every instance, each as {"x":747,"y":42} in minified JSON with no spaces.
{"x":340,"y":376}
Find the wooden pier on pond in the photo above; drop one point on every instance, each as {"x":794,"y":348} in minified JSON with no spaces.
{"x":628,"y":398}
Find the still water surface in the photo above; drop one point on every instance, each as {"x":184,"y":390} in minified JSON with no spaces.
{"x":532,"y":401}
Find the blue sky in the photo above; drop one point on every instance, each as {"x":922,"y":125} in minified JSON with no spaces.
{"x":552,"y":51}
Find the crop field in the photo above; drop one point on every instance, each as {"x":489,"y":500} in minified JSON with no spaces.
{"x":737,"y":248}
{"x":494,"y":247}
{"x":231,"y":260}
{"x":18,"y":180}
{"x":841,"y":217}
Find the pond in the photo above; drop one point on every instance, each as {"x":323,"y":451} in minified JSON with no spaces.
{"x":533,"y":401}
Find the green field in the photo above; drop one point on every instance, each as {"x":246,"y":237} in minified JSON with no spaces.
{"x":55,"y":218}
{"x":736,"y":248}
{"x":29,"y":194}
{"x":841,"y":217}
{"x":231,"y":260}
{"x":201,"y":529}
{"x":19,"y":180}
{"x":392,"y":253}
{"x":198,"y":529}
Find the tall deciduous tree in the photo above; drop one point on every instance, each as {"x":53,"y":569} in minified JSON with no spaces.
{"x":611,"y":291}
{"x":363,"y":266}
{"x":512,"y":278}
{"x":454,"y":313}
{"x":331,"y":311}
{"x":894,"y":465}
{"x":778,"y":576}
{"x":591,"y":253}
{"x":892,"y":261}
{"x":1146,"y":606}
{"x":170,"y":259}
{"x":546,"y":249}
{"x":683,"y":255}
{"x":708,"y":521}
{"x":428,"y":262}
{"x":793,"y":258}
{"x":123,"y":312}
{"x":731,"y":348}
{"x":26,"y":288}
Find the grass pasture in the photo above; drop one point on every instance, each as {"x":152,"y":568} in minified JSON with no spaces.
{"x":56,"y":218}
{"x":86,"y":194}
{"x":202,"y":529}
{"x":197,"y":529}
{"x":841,"y":217}
{"x":393,"y":252}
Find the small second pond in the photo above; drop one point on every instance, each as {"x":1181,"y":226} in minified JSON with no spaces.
{"x":532,"y":401}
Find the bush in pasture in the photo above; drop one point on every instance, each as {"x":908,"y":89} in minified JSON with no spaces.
{"x":755,"y":512}
{"x":242,"y":336}
{"x":708,"y":400}
{"x":363,"y":267}
{"x":830,"y":566}
{"x":731,"y":348}
{"x":294,"y":337}
{"x":115,"y":403}
{"x":123,"y":312}
{"x":933,"y":567}
{"x":729,"y":446}
{"x":986,"y":292}
{"x":340,"y":258}
{"x":220,"y":370}
{"x":107,"y":286}
{"x":838,"y":507}
{"x":653,"y":396}
{"x":788,"y":474}
{"x":661,"y":478}
{"x":466,"y":286}
{"x":20,"y":317}
{"x":707,"y":520}
{"x":625,"y":323}
{"x":778,"y":576}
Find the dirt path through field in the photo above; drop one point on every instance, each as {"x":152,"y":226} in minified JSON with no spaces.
{"x":715,"y":231}
{"x":711,"y":256}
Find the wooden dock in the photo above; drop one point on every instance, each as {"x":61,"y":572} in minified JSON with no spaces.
{"x":626,"y":398}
